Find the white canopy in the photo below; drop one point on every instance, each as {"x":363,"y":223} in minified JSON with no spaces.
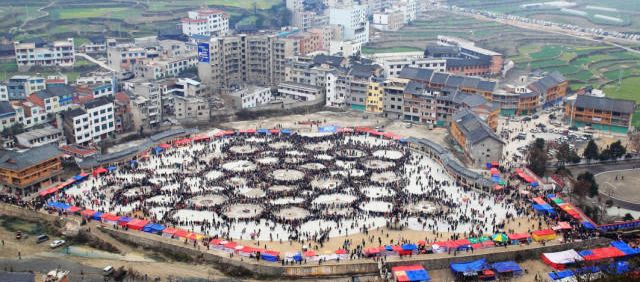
{"x":564,"y":257}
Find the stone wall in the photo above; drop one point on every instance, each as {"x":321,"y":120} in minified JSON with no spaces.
{"x":28,"y":215}
{"x":344,"y":268}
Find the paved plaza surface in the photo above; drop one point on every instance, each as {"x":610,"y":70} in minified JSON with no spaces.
{"x":621,"y":184}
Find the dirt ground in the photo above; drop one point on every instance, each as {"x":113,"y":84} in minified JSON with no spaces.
{"x":344,"y":119}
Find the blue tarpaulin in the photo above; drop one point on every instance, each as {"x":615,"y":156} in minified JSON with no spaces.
{"x":388,"y":248}
{"x":585,"y":253}
{"x":557,"y":275}
{"x":111,"y":168}
{"x":285,"y":131}
{"x":268,"y":257}
{"x":495,"y":178}
{"x":467,"y":267}
{"x":409,"y":247}
{"x":544,"y":208}
{"x":417,"y":275}
{"x":507,"y":266}
{"x":124,"y":219}
{"x":58,"y":205}
{"x":588,"y":225}
{"x":263,"y":131}
{"x":625,"y":248}
{"x":297,"y":257}
{"x":157,"y":150}
{"x":329,"y":128}
{"x":534,"y":184}
{"x":97,"y":216}
{"x":551,"y":196}
{"x":153,"y":228}
{"x":618,"y":267}
{"x":80,"y":177}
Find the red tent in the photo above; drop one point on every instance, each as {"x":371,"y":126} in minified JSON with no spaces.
{"x":87,"y":213}
{"x":539,"y":200}
{"x":345,"y":130}
{"x":230,"y":245}
{"x":372,"y":251}
{"x":494,"y":171}
{"x":99,"y":171}
{"x":310,"y":253}
{"x":604,"y":253}
{"x":110,"y":217}
{"x":274,"y":131}
{"x":181,"y":233}
{"x":137,"y":224}
{"x":519,"y":236}
{"x":73,"y":209}
{"x":363,"y":129}
{"x":248,"y":131}
{"x":422,"y":242}
{"x":183,"y":142}
{"x":169,"y":231}
{"x":165,"y":146}
{"x":341,"y":252}
{"x":199,"y":138}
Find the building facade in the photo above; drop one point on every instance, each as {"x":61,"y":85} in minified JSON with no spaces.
{"x":251,"y":97}
{"x":601,"y":113}
{"x":23,"y":173}
{"x":353,"y":22}
{"x":206,"y":22}
{"x":57,"y":53}
{"x":476,"y":138}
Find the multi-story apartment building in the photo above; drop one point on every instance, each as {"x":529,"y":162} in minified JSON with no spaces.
{"x":374,"y":103}
{"x":146,"y":103}
{"x":393,"y":100}
{"x":23,"y":173}
{"x":388,"y":20}
{"x":97,"y":90}
{"x":191,"y":109}
{"x":299,"y":91}
{"x":257,"y":59}
{"x":54,"y":99}
{"x":359,"y":77}
{"x":4,"y":93}
{"x":90,"y":124}
{"x":39,"y":137}
{"x":393,"y":63}
{"x":8,"y":115}
{"x":21,"y":86}
{"x":31,"y":114}
{"x":353,"y":22}
{"x":251,"y":97}
{"x":409,"y":9}
{"x":206,"y":22}
{"x":57,"y":53}
{"x":601,"y":113}
{"x":163,"y":68}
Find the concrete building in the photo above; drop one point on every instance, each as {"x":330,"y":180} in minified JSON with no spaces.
{"x":206,"y":22}
{"x":30,"y":114}
{"x":187,"y":87}
{"x":394,"y":63}
{"x":299,"y":91}
{"x":21,"y":86}
{"x":39,"y":137}
{"x":57,"y":53}
{"x":251,"y":97}
{"x":96,"y":78}
{"x":258,"y":59}
{"x":97,"y":90}
{"x":477,"y":139}
{"x":409,"y":9}
{"x":465,"y":58}
{"x":393,"y":100}
{"x":54,"y":99}
{"x":8,"y":115}
{"x":601,"y":113}
{"x":353,"y":20}
{"x":92,"y":123}
{"x":375,"y":96}
{"x":146,"y":104}
{"x":25,"y":172}
{"x":4,"y":93}
{"x":191,"y":109}
{"x":359,"y":77}
{"x":163,"y":68}
{"x":388,"y":20}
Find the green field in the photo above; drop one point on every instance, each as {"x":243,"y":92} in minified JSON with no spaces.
{"x":628,"y":89}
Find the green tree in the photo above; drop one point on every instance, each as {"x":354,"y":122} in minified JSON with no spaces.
{"x":627,"y":217}
{"x":591,"y":152}
{"x":537,"y":157}
{"x":563,"y":153}
{"x":589,"y":178}
{"x":617,"y":150}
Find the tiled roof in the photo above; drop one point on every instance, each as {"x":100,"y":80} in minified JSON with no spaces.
{"x":472,"y":127}
{"x":17,"y":161}
{"x":605,"y":104}
{"x":416,"y":74}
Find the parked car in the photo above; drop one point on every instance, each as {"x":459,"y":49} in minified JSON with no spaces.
{"x":18,"y":235}
{"x":42,"y":238}
{"x":108,"y":270}
{"x":56,"y":243}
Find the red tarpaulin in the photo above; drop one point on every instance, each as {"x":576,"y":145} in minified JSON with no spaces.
{"x":363,"y":129}
{"x":66,"y":183}
{"x":341,"y":252}
{"x":169,"y":231}
{"x":494,"y":171}
{"x":99,"y":171}
{"x":214,"y":242}
{"x":309,"y":253}
{"x":109,"y":217}
{"x":274,"y":131}
{"x":73,"y":209}
{"x":604,"y":253}
{"x":230,"y":245}
{"x":181,"y":233}
{"x":87,"y":213}
{"x":137,"y":224}
{"x":165,"y":146}
{"x":199,"y":138}
{"x":375,"y":132}
{"x":539,"y":200}
{"x":247,"y":249}
{"x":182,"y":142}
{"x":345,"y":129}
{"x":249,"y":131}
{"x":519,"y":236}
{"x":563,"y":225}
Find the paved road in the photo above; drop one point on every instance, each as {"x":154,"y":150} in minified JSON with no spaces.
{"x":91,"y":59}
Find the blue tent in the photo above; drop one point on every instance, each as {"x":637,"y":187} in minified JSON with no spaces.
{"x":157,"y":150}
{"x":588,"y":225}
{"x":469,"y":267}
{"x":545,"y":208}
{"x":268,"y":257}
{"x":557,"y":275}
{"x":403,"y":140}
{"x":507,"y":266}
{"x":58,"y":205}
{"x":625,"y":248}
{"x":618,"y":267}
{"x":80,"y":177}
{"x":97,"y":216}
{"x":588,"y":269}
{"x":328,"y":128}
{"x":418,"y":275}
{"x":297,"y":256}
{"x":124,"y":219}
{"x":285,"y":131}
{"x":495,"y":178}
{"x":133,"y":163}
{"x":388,"y":248}
{"x":153,"y":228}
{"x":263,"y":131}
{"x":409,"y":247}
{"x":551,"y":196}
{"x":534,"y":184}
{"x":111,"y":168}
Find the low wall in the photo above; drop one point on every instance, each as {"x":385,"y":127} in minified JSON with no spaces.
{"x":338,"y":269}
{"x":28,"y":215}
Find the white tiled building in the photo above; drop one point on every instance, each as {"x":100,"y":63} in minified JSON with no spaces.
{"x":207,"y":22}
{"x":93,"y":123}
{"x":299,"y":91}
{"x":353,"y":20}
{"x":4,"y":93}
{"x":252,"y":97}
{"x":57,"y":53}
